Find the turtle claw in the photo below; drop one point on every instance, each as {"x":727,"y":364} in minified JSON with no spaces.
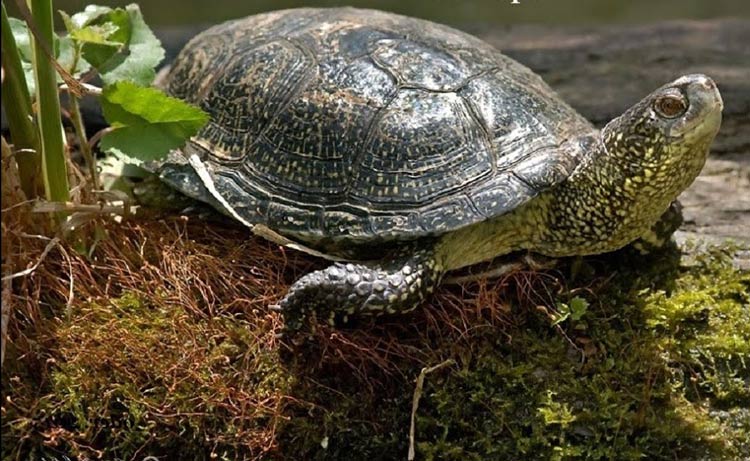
{"x":335,"y":294}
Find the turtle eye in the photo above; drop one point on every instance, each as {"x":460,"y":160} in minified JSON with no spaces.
{"x":670,"y":106}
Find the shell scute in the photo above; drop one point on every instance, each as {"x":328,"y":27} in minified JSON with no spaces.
{"x":345,"y":125}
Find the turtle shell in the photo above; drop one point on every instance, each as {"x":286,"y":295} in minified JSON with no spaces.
{"x":358,"y":125}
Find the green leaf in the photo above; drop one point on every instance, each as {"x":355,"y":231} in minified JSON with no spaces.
{"x":146,"y":123}
{"x":117,"y":42}
{"x":101,"y":33}
{"x":574,"y":310}
{"x":96,"y":34}
{"x":70,"y":26}
{"x":138,"y":59}
{"x":23,"y":40}
{"x":578,"y":307}
{"x":85,"y":17}
{"x":112,"y":52}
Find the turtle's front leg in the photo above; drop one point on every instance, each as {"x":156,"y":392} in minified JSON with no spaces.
{"x":661,"y":232}
{"x":396,"y":284}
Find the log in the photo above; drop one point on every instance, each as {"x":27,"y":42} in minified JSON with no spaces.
{"x":603,"y":70}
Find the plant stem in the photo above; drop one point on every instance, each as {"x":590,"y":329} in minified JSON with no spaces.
{"x":54,"y":168}
{"x":88,"y":155}
{"x":18,"y":110}
{"x":77,"y":119}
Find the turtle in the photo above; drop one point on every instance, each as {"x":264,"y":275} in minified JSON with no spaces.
{"x":402,"y":149}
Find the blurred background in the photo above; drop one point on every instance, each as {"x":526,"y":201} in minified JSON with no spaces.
{"x":455,"y":12}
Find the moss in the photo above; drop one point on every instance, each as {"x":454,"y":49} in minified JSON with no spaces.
{"x":654,"y":368}
{"x":640,"y":358}
{"x":661,"y":353}
{"x":131,"y":376}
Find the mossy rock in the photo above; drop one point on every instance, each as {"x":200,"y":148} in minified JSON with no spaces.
{"x":654,"y":368}
{"x":613,"y":357}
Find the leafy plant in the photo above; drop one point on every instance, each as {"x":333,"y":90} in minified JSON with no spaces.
{"x":146,"y":125}
{"x":574,"y":310}
{"x":15,"y":94}
{"x":114,"y":43}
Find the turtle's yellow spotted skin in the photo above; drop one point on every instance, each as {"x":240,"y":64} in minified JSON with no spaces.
{"x":361,"y":133}
{"x":623,"y":185}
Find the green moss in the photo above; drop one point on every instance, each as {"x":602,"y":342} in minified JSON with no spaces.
{"x":661,"y":354}
{"x":654,"y":368}
{"x":643,"y":359}
{"x":132,"y":377}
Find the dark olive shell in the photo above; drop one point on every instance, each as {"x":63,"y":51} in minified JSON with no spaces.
{"x":358,"y":125}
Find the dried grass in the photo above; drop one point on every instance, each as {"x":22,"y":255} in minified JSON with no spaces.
{"x":170,"y":317}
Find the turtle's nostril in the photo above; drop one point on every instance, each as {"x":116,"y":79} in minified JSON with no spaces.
{"x":702,"y":91}
{"x":708,"y":85}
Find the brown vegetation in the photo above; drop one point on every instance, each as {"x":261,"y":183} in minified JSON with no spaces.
{"x":171,"y":315}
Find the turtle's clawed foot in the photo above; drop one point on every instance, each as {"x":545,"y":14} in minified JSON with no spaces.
{"x":342,"y":290}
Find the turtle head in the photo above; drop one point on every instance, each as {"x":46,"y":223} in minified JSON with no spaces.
{"x":663,"y":140}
